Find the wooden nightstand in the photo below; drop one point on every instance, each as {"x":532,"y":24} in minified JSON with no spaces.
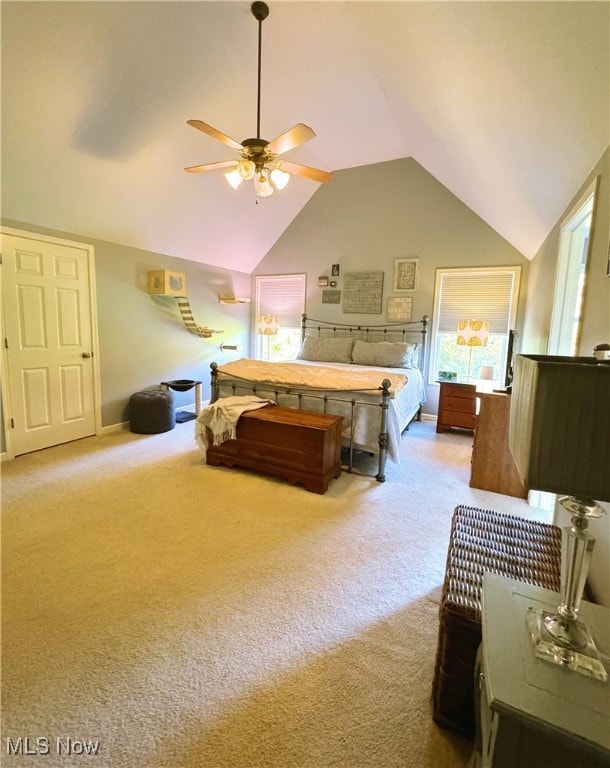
{"x":457,"y":406}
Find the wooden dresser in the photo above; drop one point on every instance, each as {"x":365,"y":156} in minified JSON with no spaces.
{"x":457,"y":405}
{"x":304,"y":447}
{"x":493,"y":468}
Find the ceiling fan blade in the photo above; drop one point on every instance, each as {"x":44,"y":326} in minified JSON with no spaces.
{"x":304,"y":170}
{"x":297,"y":135}
{"x":215,"y":134}
{"x":211,"y":166}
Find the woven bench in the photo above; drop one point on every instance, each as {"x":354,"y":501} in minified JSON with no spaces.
{"x":482,"y":540}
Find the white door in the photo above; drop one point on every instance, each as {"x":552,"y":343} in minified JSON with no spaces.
{"x":49,"y":342}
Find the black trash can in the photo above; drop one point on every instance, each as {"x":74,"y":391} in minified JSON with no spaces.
{"x":151,"y":412}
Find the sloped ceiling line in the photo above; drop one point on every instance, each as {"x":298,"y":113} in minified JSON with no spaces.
{"x":505,"y":104}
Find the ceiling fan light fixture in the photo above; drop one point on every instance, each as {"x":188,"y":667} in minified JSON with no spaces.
{"x":279,"y":178}
{"x":246,"y":169}
{"x":263,"y":186}
{"x":234,"y":177}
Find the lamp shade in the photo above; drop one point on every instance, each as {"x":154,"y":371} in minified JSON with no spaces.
{"x":268,"y":325}
{"x":486,"y":373}
{"x":279,"y":178}
{"x":559,"y":432}
{"x":472,"y":333}
{"x":234,"y":178}
{"x":264,"y":188}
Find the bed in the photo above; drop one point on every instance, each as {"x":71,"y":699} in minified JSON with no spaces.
{"x":371,"y":375}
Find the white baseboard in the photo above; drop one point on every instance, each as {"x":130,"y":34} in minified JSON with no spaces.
{"x":124,"y":425}
{"x":119,"y":427}
{"x":428,"y":417}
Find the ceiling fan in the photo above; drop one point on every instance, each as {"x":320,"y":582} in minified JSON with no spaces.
{"x":258,"y":157}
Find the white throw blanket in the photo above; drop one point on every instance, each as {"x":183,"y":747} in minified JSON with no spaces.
{"x":221,"y":418}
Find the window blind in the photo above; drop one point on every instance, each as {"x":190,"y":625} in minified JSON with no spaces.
{"x":283,"y":296}
{"x":481,"y":294}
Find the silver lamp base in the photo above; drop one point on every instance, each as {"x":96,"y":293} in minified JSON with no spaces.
{"x":561,"y":637}
{"x":578,"y":652}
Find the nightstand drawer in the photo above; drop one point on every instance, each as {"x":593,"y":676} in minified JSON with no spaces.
{"x":461,"y":404}
{"x":458,"y":419}
{"x":458,"y":390}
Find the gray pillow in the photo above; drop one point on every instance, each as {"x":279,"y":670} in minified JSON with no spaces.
{"x":386,"y":354}
{"x":331,"y":350}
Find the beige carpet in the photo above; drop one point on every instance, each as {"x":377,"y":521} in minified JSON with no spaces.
{"x":183,"y":616}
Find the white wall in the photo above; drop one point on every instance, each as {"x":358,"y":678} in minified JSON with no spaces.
{"x":595,"y":329}
{"x":367,"y":217}
{"x":142,"y":338}
{"x":541,"y":282}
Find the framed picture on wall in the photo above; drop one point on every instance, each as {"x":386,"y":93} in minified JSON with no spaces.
{"x":399,"y":309}
{"x":331,"y":297}
{"x":362,"y":292}
{"x":406,"y":274}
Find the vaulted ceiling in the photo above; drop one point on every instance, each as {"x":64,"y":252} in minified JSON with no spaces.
{"x":505,"y":103}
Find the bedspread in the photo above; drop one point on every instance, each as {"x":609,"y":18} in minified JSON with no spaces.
{"x":344,"y":389}
{"x":317,"y":376}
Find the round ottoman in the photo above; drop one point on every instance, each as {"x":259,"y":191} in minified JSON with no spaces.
{"x":151,"y":411}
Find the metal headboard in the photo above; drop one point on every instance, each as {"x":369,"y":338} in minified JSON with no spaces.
{"x":414,"y":330}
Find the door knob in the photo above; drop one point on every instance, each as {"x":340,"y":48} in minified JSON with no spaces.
{"x":87,"y":354}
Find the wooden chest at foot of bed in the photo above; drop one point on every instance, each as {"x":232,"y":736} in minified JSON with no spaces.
{"x":303,"y":447}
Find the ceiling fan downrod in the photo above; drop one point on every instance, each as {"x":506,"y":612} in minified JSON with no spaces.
{"x":260,"y":11}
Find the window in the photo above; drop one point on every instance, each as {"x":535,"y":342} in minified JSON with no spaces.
{"x":488,"y":294}
{"x":574,"y":245}
{"x":281,"y":296}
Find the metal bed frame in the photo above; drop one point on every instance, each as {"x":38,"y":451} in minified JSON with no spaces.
{"x":365,"y":332}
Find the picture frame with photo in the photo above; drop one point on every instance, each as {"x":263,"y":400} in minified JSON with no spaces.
{"x":406,"y":274}
{"x":399,"y":309}
{"x":447,"y":376}
{"x":331,"y":297}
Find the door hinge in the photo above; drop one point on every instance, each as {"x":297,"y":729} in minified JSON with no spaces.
{"x":5,"y":343}
{"x":12,"y":423}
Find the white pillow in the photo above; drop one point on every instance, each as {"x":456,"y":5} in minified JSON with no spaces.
{"x":330,"y":350}
{"x":414,"y":356}
{"x":386,"y":354}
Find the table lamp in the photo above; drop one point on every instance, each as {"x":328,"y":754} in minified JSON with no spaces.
{"x":472,"y":333}
{"x":559,"y":436}
{"x":268,"y":325}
